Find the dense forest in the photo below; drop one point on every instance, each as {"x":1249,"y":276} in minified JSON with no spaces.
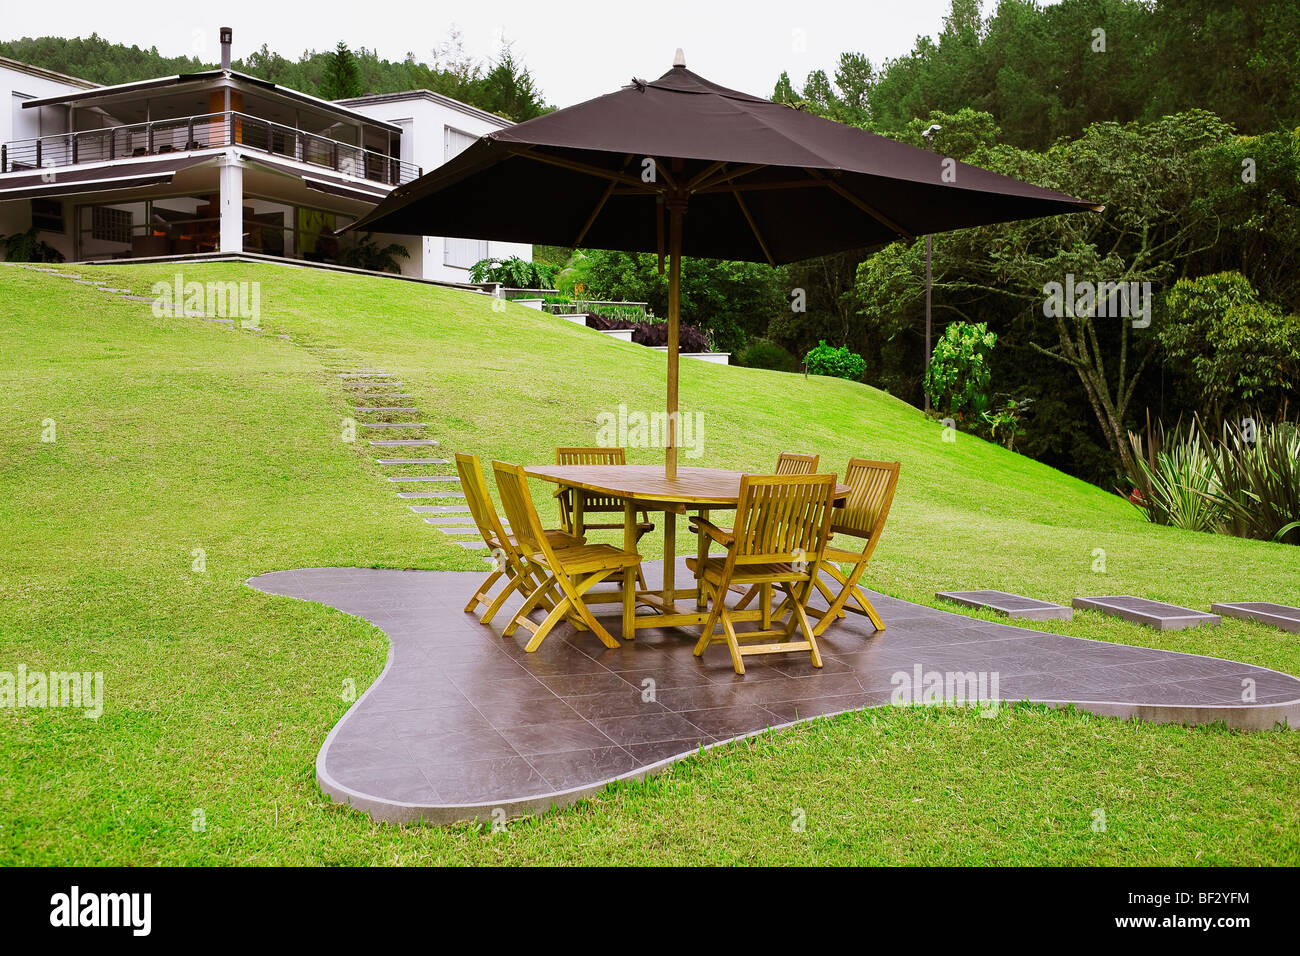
{"x":1179,"y":115}
{"x":503,"y":86}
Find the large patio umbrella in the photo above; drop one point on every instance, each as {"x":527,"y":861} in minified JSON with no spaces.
{"x":682,"y":166}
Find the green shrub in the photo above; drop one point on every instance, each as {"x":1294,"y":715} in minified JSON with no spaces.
{"x":840,"y":362}
{"x":957,"y":380}
{"x":29,"y":247}
{"x":514,"y":273}
{"x":762,"y":353}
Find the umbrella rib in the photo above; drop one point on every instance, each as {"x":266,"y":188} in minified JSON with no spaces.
{"x":728,"y":175}
{"x":865,"y":207}
{"x":591,"y":220}
{"x":754,"y":226}
{"x":618,"y":177}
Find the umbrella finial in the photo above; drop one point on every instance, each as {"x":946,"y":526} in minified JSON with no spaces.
{"x":679,"y":58}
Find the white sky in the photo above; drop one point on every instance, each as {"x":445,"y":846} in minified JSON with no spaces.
{"x":575,"y":50}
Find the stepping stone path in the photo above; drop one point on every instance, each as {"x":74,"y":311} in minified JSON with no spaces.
{"x":373,"y":392}
{"x":1262,"y":612}
{"x":1161,"y":616}
{"x":1012,"y":605}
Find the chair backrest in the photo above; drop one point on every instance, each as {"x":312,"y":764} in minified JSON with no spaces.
{"x":572,"y":455}
{"x":480,"y":503}
{"x":517,"y":502}
{"x":864,"y":511}
{"x":782,"y":518}
{"x":791,"y":463}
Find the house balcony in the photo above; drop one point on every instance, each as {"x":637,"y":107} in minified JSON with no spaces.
{"x":205,"y":131}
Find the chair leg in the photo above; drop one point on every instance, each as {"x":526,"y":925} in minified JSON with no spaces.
{"x":765,"y":600}
{"x":629,"y":602}
{"x":849,"y":589}
{"x":514,"y":584}
{"x":749,"y":596}
{"x":806,"y":626}
{"x":733,"y":644}
{"x":574,"y":594}
{"x":560,"y":610}
{"x":706,"y":635}
{"x":533,"y":601}
{"x":480,"y":596}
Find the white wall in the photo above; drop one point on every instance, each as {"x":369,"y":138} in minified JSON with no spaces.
{"x":428,"y":122}
{"x":17,"y":123}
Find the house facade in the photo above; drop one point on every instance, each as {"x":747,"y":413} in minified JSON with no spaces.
{"x":219,"y":163}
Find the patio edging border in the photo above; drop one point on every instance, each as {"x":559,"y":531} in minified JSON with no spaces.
{"x":1252,"y":717}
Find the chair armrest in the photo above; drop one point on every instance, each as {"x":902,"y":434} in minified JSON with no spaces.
{"x":724,"y":538}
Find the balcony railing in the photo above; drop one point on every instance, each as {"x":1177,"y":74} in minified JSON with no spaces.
{"x":206,"y":131}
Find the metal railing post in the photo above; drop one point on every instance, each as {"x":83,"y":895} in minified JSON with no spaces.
{"x":38,"y":153}
{"x":4,"y":158}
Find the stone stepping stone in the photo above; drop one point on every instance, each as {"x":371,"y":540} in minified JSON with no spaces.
{"x":104,"y":288}
{"x":473,"y":545}
{"x":220,"y":321}
{"x":1136,"y":610}
{"x":386,"y":397}
{"x":397,"y":478}
{"x":412,"y":461}
{"x":456,"y":518}
{"x":1012,"y":605}
{"x":365,"y":374}
{"x":433,"y":494}
{"x":136,"y":298}
{"x":353,"y":383}
{"x":404,"y":443}
{"x":390,"y":408}
{"x":394,"y":425}
{"x":1263,"y":612}
{"x":458,"y":531}
{"x":440,"y":510}
{"x":89,"y":281}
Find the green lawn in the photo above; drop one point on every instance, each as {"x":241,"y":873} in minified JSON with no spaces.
{"x":176,"y":434}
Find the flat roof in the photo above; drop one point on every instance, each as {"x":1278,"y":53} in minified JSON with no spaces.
{"x":430,"y":95}
{"x":141,"y":86}
{"x":45,"y":74}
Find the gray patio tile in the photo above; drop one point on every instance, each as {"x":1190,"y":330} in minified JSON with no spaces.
{"x":460,"y":705}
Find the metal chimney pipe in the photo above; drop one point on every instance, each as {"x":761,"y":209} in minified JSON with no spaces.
{"x":226,"y":35}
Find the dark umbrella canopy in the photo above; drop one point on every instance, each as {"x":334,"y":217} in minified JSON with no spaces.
{"x":681,"y":166}
{"x":765,"y":182}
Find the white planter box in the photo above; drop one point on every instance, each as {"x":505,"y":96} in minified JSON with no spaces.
{"x":717,"y":358}
{"x":623,"y":335}
{"x":530,"y":303}
{"x":578,"y":319}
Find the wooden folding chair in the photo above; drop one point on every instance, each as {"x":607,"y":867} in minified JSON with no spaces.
{"x":576,"y":505}
{"x":791,"y":463}
{"x":568,"y":572}
{"x":862,"y":515}
{"x":782,"y":523}
{"x":506,"y":559}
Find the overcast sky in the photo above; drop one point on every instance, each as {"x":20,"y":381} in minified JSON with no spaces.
{"x":575,"y":49}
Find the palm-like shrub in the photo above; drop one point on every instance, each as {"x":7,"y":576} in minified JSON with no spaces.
{"x":1176,"y":481}
{"x":1257,"y":483}
{"x":1246,"y":483}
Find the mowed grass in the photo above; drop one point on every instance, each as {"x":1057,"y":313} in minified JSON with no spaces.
{"x":174,"y":435}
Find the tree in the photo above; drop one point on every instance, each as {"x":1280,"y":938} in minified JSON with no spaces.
{"x":1239,"y":351}
{"x":342,"y":79}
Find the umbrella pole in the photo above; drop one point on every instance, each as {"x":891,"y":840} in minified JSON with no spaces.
{"x":675,"y":211}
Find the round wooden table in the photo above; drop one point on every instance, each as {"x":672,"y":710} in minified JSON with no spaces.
{"x":646,"y":488}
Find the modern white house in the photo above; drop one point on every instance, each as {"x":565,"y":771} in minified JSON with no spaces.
{"x":219,"y":163}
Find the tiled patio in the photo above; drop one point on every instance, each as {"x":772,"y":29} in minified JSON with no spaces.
{"x":463,"y":722}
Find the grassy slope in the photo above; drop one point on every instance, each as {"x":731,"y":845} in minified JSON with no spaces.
{"x":178,"y":434}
